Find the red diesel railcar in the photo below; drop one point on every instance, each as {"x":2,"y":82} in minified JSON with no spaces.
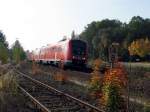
{"x":64,"y":53}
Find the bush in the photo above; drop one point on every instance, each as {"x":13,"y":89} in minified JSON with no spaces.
{"x":113,"y":89}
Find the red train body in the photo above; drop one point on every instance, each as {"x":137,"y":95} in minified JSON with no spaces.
{"x":64,"y":53}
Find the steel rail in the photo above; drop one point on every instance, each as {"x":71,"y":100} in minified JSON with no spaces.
{"x":34,"y":100}
{"x":60,"y":92}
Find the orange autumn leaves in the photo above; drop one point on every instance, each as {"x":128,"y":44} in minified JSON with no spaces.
{"x":114,"y":84}
{"x":116,"y":76}
{"x":61,"y":77}
{"x":110,"y":87}
{"x":96,"y":80}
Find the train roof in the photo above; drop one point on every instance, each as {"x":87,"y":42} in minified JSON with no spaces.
{"x":61,"y":42}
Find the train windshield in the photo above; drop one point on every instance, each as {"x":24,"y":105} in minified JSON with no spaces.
{"x":78,"y":47}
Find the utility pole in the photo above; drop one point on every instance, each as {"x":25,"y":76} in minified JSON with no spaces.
{"x":73,"y":35}
{"x":113,"y":54}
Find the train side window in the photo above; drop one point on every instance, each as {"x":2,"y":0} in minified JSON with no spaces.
{"x":52,"y":48}
{"x":55,"y":49}
{"x":59,"y":49}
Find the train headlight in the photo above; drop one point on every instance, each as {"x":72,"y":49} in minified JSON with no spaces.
{"x":83,"y":58}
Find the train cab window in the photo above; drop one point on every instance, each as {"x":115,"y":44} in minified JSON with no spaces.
{"x":78,"y":47}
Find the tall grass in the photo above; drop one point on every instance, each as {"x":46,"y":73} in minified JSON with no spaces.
{"x":61,"y":77}
{"x":8,"y":82}
{"x":8,"y":89}
{"x":137,"y":66}
{"x":95,"y":83}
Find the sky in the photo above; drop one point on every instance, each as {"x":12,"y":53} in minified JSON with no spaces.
{"x":36,"y":23}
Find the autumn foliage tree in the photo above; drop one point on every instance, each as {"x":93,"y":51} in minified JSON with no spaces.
{"x":114,"y":84}
{"x":140,"y":47}
{"x":100,"y":34}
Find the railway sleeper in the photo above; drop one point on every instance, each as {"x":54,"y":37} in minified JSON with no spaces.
{"x":57,"y":102}
{"x":67,"y":109}
{"x":42,"y":94}
{"x":64,"y":103}
{"x":44,"y":97}
{"x":44,"y":91}
{"x":55,"y":106}
{"x":50,"y":95}
{"x":52,"y":105}
{"x":51,"y":99}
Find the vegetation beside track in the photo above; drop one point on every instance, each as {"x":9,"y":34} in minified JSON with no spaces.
{"x":11,"y":100}
{"x":138,"y":66}
{"x":44,"y":73}
{"x":48,"y":75}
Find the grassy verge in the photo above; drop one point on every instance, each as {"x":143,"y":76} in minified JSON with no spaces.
{"x":11,"y":99}
{"x":8,"y":89}
{"x":137,"y":66}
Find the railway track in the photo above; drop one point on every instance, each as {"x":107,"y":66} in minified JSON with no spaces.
{"x":49,"y":99}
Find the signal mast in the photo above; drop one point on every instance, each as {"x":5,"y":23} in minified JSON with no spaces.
{"x":113,"y":54}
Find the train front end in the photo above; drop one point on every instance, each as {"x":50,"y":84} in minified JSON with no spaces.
{"x":78,"y":52}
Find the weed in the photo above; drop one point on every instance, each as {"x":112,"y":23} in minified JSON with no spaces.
{"x":8,"y":88}
{"x":61,"y":77}
{"x":96,"y":80}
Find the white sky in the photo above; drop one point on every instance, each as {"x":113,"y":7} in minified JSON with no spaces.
{"x":40,"y":22}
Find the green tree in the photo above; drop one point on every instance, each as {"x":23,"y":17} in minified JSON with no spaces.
{"x":18,"y":52}
{"x":3,"y":48}
{"x":99,"y":35}
{"x":3,"y":39}
{"x":137,"y":29}
{"x":3,"y":53}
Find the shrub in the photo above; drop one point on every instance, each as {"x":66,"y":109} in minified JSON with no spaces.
{"x":114,"y":84}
